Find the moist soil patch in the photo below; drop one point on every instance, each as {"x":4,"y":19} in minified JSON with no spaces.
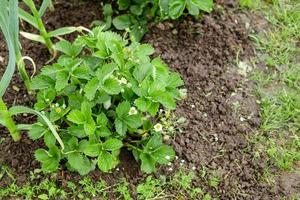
{"x":217,"y":136}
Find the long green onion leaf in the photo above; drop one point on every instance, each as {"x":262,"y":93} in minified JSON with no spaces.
{"x":21,"y":109}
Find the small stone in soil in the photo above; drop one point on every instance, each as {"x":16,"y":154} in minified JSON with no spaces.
{"x":15,"y":88}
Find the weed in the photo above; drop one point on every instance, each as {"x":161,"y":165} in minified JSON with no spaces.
{"x":253,"y":4}
{"x":138,"y":13}
{"x":214,"y":180}
{"x":150,"y":189}
{"x":123,"y":189}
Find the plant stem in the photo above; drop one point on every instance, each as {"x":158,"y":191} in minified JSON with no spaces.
{"x":22,"y":71}
{"x":9,"y":122}
{"x":51,"y":6}
{"x":41,"y":27}
{"x":133,"y":147}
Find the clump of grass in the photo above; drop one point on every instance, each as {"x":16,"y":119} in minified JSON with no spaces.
{"x":279,"y":88}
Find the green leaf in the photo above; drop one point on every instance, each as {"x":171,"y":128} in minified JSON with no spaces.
{"x":75,"y":100}
{"x":49,"y":162}
{"x":106,"y":161}
{"x":142,"y":71}
{"x":49,"y":139}
{"x":76,"y":116}
{"x":77,"y":131}
{"x":205,"y":5}
{"x":175,"y":80}
{"x":107,"y":10}
{"x":145,"y":50}
{"x":133,"y":121}
{"x":123,"y":4}
{"x":122,"y":22}
{"x":33,"y":37}
{"x":102,"y":52}
{"x":112,"y":86}
{"x":37,"y":131}
{"x":51,"y":69}
{"x":62,"y":31}
{"x":154,"y":143}
{"x":47,"y":95}
{"x":62,"y":79}
{"x":86,"y":109}
{"x":165,"y":99}
{"x":102,"y":119}
{"x":43,"y":7}
{"x":67,"y":48}
{"x":143,"y":104}
{"x":137,"y":31}
{"x":91,"y":88}
{"x":103,"y":131}
{"x":112,"y":144}
{"x":136,"y":9}
{"x":71,"y":144}
{"x":192,"y":8}
{"x":123,"y":109}
{"x":106,"y":71}
{"x":176,"y":8}
{"x":153,"y":108}
{"x":82,"y":72}
{"x":43,"y":197}
{"x":121,"y":127}
{"x":28,"y":18}
{"x":164,"y":8}
{"x":148,"y":163}
{"x":42,"y":82}
{"x":92,"y":150}
{"x":80,"y":163}
{"x":164,"y":154}
{"x":90,"y":127}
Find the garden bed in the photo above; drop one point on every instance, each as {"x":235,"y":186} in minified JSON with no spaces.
{"x":221,"y":111}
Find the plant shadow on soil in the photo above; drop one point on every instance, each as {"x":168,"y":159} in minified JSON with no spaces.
{"x":204,"y":52}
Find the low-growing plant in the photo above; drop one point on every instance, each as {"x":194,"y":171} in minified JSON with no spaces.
{"x":104,"y":94}
{"x":136,"y":14}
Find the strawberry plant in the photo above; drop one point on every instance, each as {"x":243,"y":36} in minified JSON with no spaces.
{"x":136,"y":14}
{"x":103,"y":94}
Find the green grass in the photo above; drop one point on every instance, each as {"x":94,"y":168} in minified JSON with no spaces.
{"x":178,"y":186}
{"x":279,"y":87}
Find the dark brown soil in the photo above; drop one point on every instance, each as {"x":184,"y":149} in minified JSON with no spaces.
{"x":217,"y":136}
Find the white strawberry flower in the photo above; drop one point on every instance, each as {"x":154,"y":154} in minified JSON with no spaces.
{"x":122,"y":81}
{"x":129,"y":85}
{"x":132,"y":111}
{"x":158,"y":127}
{"x":168,"y":157}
